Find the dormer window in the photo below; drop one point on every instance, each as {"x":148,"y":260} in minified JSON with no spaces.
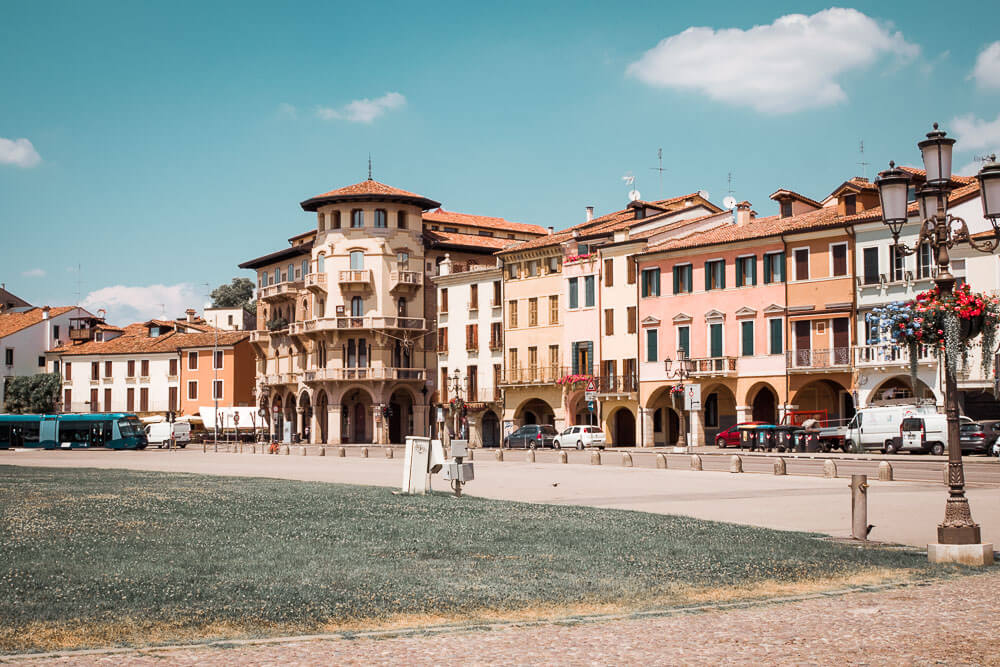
{"x":850,"y":204}
{"x":786,"y":209}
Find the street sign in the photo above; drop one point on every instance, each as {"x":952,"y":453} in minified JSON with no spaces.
{"x":592,"y":385}
{"x":590,"y":405}
{"x":692,"y":397}
{"x":590,"y":396}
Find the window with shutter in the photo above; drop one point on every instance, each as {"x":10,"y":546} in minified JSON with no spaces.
{"x":746,"y":333}
{"x":574,"y":293}
{"x":609,"y":266}
{"x":632,"y":319}
{"x":609,"y":321}
{"x":683,"y":342}
{"x":631,"y":271}
{"x":870,"y":256}
{"x":652,"y":340}
{"x":588,"y":291}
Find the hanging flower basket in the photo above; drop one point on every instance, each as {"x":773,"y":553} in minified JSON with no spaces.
{"x":456,"y":403}
{"x":573,"y":380}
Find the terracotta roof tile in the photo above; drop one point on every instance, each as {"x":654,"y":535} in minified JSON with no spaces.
{"x":135,"y":340}
{"x":471,"y":241}
{"x":14,"y":322}
{"x":957,"y":196}
{"x":366,"y":190}
{"x":444,"y":217}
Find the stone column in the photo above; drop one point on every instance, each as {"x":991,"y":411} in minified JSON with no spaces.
{"x":378,"y":426}
{"x":697,"y":428}
{"x":646,"y":419}
{"x":333,"y":424}
{"x":475,"y":430}
{"x":743,"y":413}
{"x":420,"y":425}
{"x":300,"y":421}
{"x":314,"y":434}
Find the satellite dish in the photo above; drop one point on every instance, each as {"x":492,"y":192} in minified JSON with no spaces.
{"x":633,"y":195}
{"x":703,"y":194}
{"x":729,"y":201}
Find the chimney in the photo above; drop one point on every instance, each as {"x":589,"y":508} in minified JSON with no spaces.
{"x":444,"y":267}
{"x":552,"y":230}
{"x":743,"y":215}
{"x":190,"y":314}
{"x":45,"y":312}
{"x":590,"y":213}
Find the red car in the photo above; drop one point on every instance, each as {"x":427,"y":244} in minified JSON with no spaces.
{"x":731,"y":436}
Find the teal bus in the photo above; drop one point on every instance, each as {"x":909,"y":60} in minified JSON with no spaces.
{"x":111,"y":430}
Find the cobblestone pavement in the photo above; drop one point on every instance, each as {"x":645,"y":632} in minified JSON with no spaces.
{"x":953,"y":623}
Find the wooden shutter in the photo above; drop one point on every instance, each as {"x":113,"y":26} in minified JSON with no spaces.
{"x":631,"y":271}
{"x":130,"y":399}
{"x":576,"y":358}
{"x":609,"y":265}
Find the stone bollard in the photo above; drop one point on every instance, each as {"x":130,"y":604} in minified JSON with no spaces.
{"x":779,"y":467}
{"x":735,"y":464}
{"x":661,"y":461}
{"x":626,"y":460}
{"x":695,"y":462}
{"x":388,"y":453}
{"x":341,"y":452}
{"x":471,"y":454}
{"x":499,"y":455}
{"x":563,"y":457}
{"x":829,"y":469}
{"x":321,"y":452}
{"x":204,"y":448}
{"x":531,"y":456}
{"x":364,"y":452}
{"x":884,"y":472}
{"x":288,"y":450}
{"x":305,"y":450}
{"x":253,"y":449}
{"x":215,"y":447}
{"x":595,"y":458}
{"x":240,"y":448}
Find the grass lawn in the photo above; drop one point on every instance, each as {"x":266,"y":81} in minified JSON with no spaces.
{"x":100,"y":557}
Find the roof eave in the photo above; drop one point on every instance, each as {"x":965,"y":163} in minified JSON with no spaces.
{"x":314,"y":203}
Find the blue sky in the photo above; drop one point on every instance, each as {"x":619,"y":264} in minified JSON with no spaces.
{"x":170,"y":141}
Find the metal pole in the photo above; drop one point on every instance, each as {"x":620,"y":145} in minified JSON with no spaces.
{"x":215,"y":377}
{"x":859,"y":507}
{"x":958,"y":526}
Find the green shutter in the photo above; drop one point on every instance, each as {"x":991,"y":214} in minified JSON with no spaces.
{"x":684,"y":340}
{"x":576,"y":358}
{"x":747,"y":336}
{"x":590,"y":357}
{"x":722,"y":274}
{"x":716,"y":330}
{"x":776,"y":342}
{"x":781,"y":267}
{"x":739,"y":271}
{"x":651,"y":351}
{"x":708,"y":276}
{"x":677,"y":280}
{"x":753,"y":270}
{"x":574,"y":297}
{"x":767,"y":269}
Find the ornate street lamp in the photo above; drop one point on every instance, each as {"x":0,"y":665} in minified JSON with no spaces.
{"x":682,"y":372}
{"x":942,"y":231}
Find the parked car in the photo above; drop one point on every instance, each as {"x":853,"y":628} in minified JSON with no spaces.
{"x":992,"y":428}
{"x":731,"y":436}
{"x":580,"y":437}
{"x":159,"y":434}
{"x":878,"y":427}
{"x":531,"y":436}
{"x":973,"y":438}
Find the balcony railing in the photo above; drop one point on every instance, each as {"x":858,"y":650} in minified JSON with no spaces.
{"x":361,"y":278}
{"x":344,"y":323}
{"x":709,"y":366}
{"x":366,"y":373}
{"x":260,"y":337}
{"x":885,"y":354}
{"x":496,"y":345}
{"x":836,"y":357}
{"x":406,"y":279}
{"x":613,"y":384}
{"x":284,"y":290}
{"x":80,"y":333}
{"x":534,"y":375}
{"x":483,"y":395}
{"x":316,"y":282}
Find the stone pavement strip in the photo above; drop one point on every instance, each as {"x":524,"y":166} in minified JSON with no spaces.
{"x":952,"y":622}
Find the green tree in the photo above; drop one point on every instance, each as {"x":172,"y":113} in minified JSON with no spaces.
{"x":237,"y":294}
{"x":32,"y":393}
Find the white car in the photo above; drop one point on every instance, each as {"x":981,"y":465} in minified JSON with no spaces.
{"x":580,"y":437}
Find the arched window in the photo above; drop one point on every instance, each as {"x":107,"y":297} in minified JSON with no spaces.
{"x":403,"y":260}
{"x":357,"y":306}
{"x":357,"y":218}
{"x":401,"y":219}
{"x":380,"y":217}
{"x":305,"y":267}
{"x":322,"y":221}
{"x":321,"y":263}
{"x":291,"y":273}
{"x":305,"y":309}
{"x":277,"y":276}
{"x":336,"y":220}
{"x":357,"y":260}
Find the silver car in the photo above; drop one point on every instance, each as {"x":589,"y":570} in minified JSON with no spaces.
{"x":580,"y":437}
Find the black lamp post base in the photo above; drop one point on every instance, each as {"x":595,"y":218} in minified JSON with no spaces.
{"x":958,"y":526}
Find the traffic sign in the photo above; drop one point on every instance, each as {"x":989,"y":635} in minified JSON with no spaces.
{"x":692,"y":397}
{"x":592,"y":385}
{"x":590,"y":405}
{"x":590,"y":396}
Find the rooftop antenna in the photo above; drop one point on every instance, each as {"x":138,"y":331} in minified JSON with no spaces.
{"x":629,"y":179}
{"x":660,"y":169}
{"x":369,"y":166}
{"x":79,"y":292}
{"x":862,"y":163}
{"x":729,"y":182}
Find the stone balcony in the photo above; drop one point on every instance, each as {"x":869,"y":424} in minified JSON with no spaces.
{"x":362,"y":374}
{"x":378,"y":322}
{"x":355,"y":280}
{"x":282,"y":291}
{"x":712,"y":367}
{"x":316,"y":283}
{"x":832,"y":359}
{"x":406,"y":281}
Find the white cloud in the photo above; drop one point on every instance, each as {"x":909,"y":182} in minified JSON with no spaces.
{"x":287,"y":110}
{"x":125,"y":304}
{"x":34,"y":273}
{"x":789,"y":65}
{"x":987,"y":69}
{"x":363,"y":111}
{"x":974,"y":133}
{"x":18,"y":152}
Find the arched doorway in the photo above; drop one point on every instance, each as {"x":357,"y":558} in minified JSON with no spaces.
{"x":306,"y":417}
{"x":291,"y":417}
{"x":491,"y":429}
{"x":623,"y":428}
{"x":825,"y":396}
{"x":578,"y":408}
{"x":900,"y":387}
{"x":764,"y":407}
{"x":400,"y":416}
{"x":322,"y":412}
{"x":666,"y":419}
{"x":718,"y":411}
{"x":356,"y":416}
{"x":535,"y":411}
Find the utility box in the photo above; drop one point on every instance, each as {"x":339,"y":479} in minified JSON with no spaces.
{"x":459,"y":449}
{"x":416,"y":465}
{"x":461,"y":472}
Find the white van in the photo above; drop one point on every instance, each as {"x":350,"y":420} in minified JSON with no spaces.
{"x":878,"y":427}
{"x":159,"y":434}
{"x":926,"y":433}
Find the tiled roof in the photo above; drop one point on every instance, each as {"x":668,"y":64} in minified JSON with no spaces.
{"x":757,"y":228}
{"x":436,"y":238}
{"x":278,"y":255}
{"x":957,"y":196}
{"x":442,"y":216}
{"x":14,"y":322}
{"x":611,"y":222}
{"x":135,"y":340}
{"x":370,"y":190}
{"x":782,"y":193}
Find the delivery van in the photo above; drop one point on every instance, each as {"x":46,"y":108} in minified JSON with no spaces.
{"x":878,"y":427}
{"x":158,"y":434}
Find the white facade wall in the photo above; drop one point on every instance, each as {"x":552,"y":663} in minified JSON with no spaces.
{"x":158,"y":382}
{"x":31,"y":343}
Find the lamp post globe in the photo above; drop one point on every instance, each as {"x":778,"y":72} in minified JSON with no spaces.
{"x":893,"y":185}
{"x":936,"y":152}
{"x":932,"y":201}
{"x":989,"y":187}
